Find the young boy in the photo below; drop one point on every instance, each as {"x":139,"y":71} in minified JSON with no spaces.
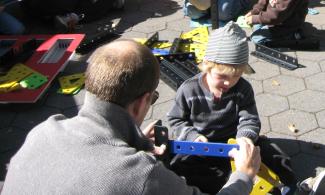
{"x":216,"y":105}
{"x":277,"y":19}
{"x":228,"y":9}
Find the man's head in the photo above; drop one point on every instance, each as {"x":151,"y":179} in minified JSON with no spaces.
{"x":226,"y":57}
{"x":122,"y":72}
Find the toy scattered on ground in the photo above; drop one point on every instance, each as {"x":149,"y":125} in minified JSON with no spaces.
{"x":41,"y":58}
{"x":71,"y":84}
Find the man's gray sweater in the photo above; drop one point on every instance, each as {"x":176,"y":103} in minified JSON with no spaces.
{"x":197,"y":112}
{"x":100,"y":151}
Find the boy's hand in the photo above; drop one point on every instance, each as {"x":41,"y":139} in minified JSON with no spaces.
{"x":245,"y":138}
{"x":247,"y":158}
{"x":201,"y":138}
{"x":249,"y":19}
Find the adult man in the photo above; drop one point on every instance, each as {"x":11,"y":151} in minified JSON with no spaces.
{"x":102,"y":150}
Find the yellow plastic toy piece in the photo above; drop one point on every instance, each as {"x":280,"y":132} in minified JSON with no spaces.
{"x":71,"y":83}
{"x":200,"y":35}
{"x":140,"y":40}
{"x":266,"y":178}
{"x":161,"y":45}
{"x":10,"y":81}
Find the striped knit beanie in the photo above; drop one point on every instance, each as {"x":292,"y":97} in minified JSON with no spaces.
{"x":228,"y":45}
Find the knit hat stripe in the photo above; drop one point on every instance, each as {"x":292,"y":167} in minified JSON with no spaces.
{"x":228,"y":45}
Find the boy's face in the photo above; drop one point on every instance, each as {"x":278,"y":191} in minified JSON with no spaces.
{"x":221,"y":82}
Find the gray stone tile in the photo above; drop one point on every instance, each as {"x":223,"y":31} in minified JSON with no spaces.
{"x":158,"y":6}
{"x":257,"y":85}
{"x":268,"y":104}
{"x":74,"y":67}
{"x":135,"y":17}
{"x":29,"y":118}
{"x":176,"y":15}
{"x":316,"y":82}
{"x":265,"y":125}
{"x":283,"y":85}
{"x":12,"y":138}
{"x":160,"y":111}
{"x":179,"y":25}
{"x":308,"y":100}
{"x":303,"y":122}
{"x":321,"y":118}
{"x":6,"y":117}
{"x":322,"y":65}
{"x":310,"y":56}
{"x":149,"y":26}
{"x":166,"y":93}
{"x":315,"y":20}
{"x":61,"y":101}
{"x":149,"y":113}
{"x":306,"y":165}
{"x":310,"y":69}
{"x":264,"y":70}
{"x":133,"y":34}
{"x":313,"y":142}
{"x":287,"y":143}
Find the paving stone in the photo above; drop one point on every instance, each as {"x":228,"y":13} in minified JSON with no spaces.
{"x":264,"y":70}
{"x":287,"y":143}
{"x":310,"y":69}
{"x":135,"y":17}
{"x":61,"y":101}
{"x":133,"y":34}
{"x":257,"y":85}
{"x":179,"y":25}
{"x":268,"y":104}
{"x":74,"y":67}
{"x":144,"y":27}
{"x":30,"y":118}
{"x":285,"y":85}
{"x":308,"y":100}
{"x":310,"y":56}
{"x":6,"y":117}
{"x":315,"y":20}
{"x":166,"y":93}
{"x":316,"y":82}
{"x":306,"y":165}
{"x":303,"y":122}
{"x":265,"y":125}
{"x":167,"y":17}
{"x":160,"y":111}
{"x":320,"y":118}
{"x":322,"y":65}
{"x":313,"y":142}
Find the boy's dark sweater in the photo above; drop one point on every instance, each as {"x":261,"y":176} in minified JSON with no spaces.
{"x":286,"y":17}
{"x":196,"y":112}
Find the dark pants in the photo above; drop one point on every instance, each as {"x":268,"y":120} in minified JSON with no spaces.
{"x":209,"y":174}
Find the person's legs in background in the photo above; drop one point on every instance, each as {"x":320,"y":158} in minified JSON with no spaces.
{"x":192,"y":12}
{"x":10,"y":25}
{"x":229,"y":9}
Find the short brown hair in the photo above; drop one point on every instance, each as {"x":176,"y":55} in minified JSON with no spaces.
{"x":227,"y":69}
{"x":122,"y":71}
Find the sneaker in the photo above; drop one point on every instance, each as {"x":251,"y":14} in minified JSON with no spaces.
{"x":312,"y":186}
{"x":68,"y":21}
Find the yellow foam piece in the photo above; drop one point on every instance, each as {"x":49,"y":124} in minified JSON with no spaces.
{"x":10,"y":81}
{"x":266,"y":178}
{"x":67,"y":86}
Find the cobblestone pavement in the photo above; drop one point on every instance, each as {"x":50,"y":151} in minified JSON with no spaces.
{"x":283,"y":97}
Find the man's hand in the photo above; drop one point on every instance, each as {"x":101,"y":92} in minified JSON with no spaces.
{"x":247,"y":158}
{"x":245,"y":138}
{"x":149,"y":133}
{"x":201,"y":138}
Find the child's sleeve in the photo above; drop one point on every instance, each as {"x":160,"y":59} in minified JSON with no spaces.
{"x":179,"y":118}
{"x":275,"y":15}
{"x":249,"y":124}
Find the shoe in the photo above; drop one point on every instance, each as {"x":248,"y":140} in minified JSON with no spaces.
{"x":312,"y":186}
{"x":118,"y":4}
{"x":68,"y":21}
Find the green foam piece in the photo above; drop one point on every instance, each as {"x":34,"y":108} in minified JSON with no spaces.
{"x":33,"y":81}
